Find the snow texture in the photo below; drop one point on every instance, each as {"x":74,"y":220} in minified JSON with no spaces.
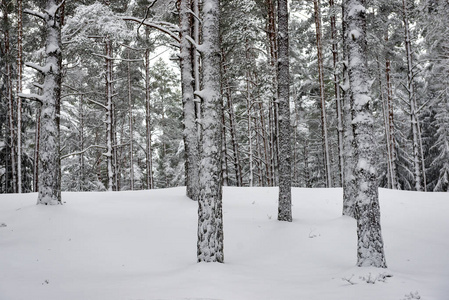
{"x":142,"y":245}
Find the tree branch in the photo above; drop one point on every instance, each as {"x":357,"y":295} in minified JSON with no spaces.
{"x":34,"y":13}
{"x":34,"y":97}
{"x":36,"y":67}
{"x":82,"y":151}
{"x":155,"y":26}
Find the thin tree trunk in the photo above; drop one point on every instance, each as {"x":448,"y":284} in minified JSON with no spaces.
{"x":149,"y":155}
{"x":392,"y":156}
{"x":19,"y":90}
{"x":36,"y":148}
{"x":337,"y":89}
{"x":324,"y":134}
{"x":190,"y":125}
{"x":285,"y":178}
{"x":349,"y":187}
{"x":109,"y":116}
{"x":418,"y":168}
{"x":131,"y":134}
{"x":370,"y":249}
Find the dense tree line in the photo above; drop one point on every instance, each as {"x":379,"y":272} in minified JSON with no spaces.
{"x":263,"y":93}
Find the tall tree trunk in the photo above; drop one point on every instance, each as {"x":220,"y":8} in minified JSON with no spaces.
{"x":349,"y":187}
{"x":325,"y":139}
{"x":81,"y":176}
{"x":49,"y":158}
{"x":337,"y":89}
{"x":232,"y":130}
{"x":273,"y":104}
{"x":392,"y":156}
{"x":36,"y":148}
{"x":131,"y":134}
{"x":9,"y":95}
{"x":370,"y":250}
{"x":210,"y":215}
{"x":190,"y":125}
{"x":149,"y":154}
{"x":19,"y":90}
{"x":285,"y":176}
{"x":418,"y":161}
{"x":109,"y":116}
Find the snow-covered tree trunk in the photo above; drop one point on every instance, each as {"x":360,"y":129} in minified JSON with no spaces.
{"x":109,"y":115}
{"x":19,"y":90}
{"x":131,"y":133}
{"x":285,"y":148}
{"x":9,"y":94}
{"x":348,"y":137}
{"x":324,"y":134}
{"x":210,"y":215}
{"x":149,"y":154}
{"x":187,"y":82}
{"x":370,"y":250}
{"x":36,"y":149}
{"x":49,"y":158}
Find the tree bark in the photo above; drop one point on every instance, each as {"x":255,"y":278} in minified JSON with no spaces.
{"x":149,"y":154}
{"x":190,"y":125}
{"x":370,"y":250}
{"x":285,"y":178}
{"x":19,"y":90}
{"x":9,"y":97}
{"x":49,"y":159}
{"x":210,"y":215}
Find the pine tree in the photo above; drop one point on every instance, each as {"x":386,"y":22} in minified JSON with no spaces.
{"x":285,"y":208}
{"x":370,"y":250}
{"x":49,"y":160}
{"x":210,"y":215}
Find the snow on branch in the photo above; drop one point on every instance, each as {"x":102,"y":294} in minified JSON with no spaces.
{"x":36,"y":67}
{"x":155,"y":26}
{"x":195,"y":44}
{"x":112,"y":58}
{"x":194,"y":15}
{"x":82,"y":151}
{"x":34,"y":97}
{"x":97,"y":103}
{"x":34,"y":13}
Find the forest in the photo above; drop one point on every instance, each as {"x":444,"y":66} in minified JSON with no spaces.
{"x":123,"y":118}
{"x":191,"y":98}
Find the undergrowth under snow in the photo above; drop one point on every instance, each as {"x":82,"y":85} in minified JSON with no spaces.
{"x":142,"y":246}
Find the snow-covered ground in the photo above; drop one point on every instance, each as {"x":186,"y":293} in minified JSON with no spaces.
{"x":142,"y":246}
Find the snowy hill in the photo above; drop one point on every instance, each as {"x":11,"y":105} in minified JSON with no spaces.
{"x":142,"y":246}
